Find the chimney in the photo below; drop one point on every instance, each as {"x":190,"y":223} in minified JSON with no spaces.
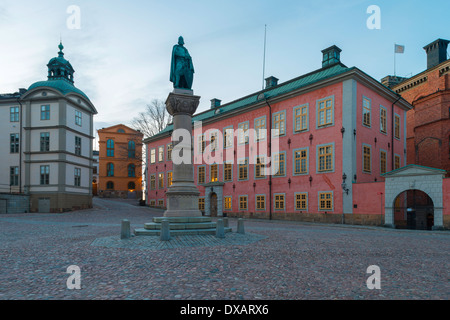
{"x":215,"y":103}
{"x":271,"y":82}
{"x":436,"y":52}
{"x":392,"y":81}
{"x":331,"y":56}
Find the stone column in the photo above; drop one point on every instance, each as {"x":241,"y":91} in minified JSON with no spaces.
{"x":182,"y":195}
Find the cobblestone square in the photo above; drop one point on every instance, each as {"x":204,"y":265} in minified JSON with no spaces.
{"x":274,"y":260}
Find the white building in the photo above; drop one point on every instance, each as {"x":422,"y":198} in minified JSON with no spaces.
{"x":46,"y":140}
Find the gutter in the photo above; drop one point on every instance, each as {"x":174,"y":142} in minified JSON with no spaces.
{"x":270,"y":152}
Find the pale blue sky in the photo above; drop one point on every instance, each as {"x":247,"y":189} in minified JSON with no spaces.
{"x":121,"y":54}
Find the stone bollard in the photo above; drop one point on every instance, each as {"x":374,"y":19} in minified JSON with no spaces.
{"x":220,"y":231}
{"x":165,"y":230}
{"x":125,"y":232}
{"x":225,"y":222}
{"x":240,"y":226}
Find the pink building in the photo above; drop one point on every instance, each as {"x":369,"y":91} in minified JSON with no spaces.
{"x":338,"y":128}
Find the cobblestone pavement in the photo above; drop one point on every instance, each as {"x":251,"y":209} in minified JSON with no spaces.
{"x":275,"y":260}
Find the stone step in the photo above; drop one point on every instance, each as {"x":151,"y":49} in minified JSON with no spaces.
{"x":181,"y":226}
{"x":183,"y":219}
{"x":212,"y":231}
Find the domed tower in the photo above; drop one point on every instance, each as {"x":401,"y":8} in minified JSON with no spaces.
{"x":59,"y":68}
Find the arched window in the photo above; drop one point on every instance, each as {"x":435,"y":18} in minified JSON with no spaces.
{"x":131,"y":149}
{"x":110,"y":170}
{"x":121,"y":131}
{"x":110,"y":148}
{"x":110,"y":185}
{"x":131,"y":186}
{"x":131,"y":170}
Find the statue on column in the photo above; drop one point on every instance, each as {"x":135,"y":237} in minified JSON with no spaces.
{"x":181,"y":68}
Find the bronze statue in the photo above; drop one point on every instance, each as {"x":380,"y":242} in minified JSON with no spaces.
{"x":181,"y":69}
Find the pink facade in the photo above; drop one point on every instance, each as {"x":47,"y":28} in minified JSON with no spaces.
{"x":343,"y":138}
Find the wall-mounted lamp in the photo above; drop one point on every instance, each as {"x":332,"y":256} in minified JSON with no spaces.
{"x":310,"y":180}
{"x":289,"y":181}
{"x":342,"y":131}
{"x":344,"y":185}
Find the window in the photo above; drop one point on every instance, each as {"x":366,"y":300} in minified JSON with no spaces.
{"x":260,"y":168}
{"x":367,"y":159}
{"x":260,"y":128}
{"x":110,"y":170}
{"x":131,"y":171}
{"x":214,"y":173}
{"x":152,"y":203}
{"x":326,"y":201}
{"x":228,"y":172}
{"x":228,"y":136}
{"x":396,"y":162}
{"x":280,"y":164}
{"x":325,"y":112}
{"x":77,"y":178}
{"x":214,"y":141}
{"x":201,"y":175}
{"x":243,"y":133}
{"x":152,"y":156}
{"x":14,"y":143}
{"x":161,"y":180}
{"x":201,"y":144}
{"x":366,"y":111}
{"x":326,"y":158}
{"x":45,"y":175}
{"x":45,"y":141}
{"x":131,"y":186}
{"x":110,"y":148}
{"x":161,"y":154}
{"x":260,"y":202}
{"x":397,"y":127}
{"x":383,"y":120}
{"x":160,"y":203}
{"x":152,"y":182}
{"x":78,"y":146}
{"x":227,"y":201}
{"x":279,"y":202}
{"x":301,"y":201}
{"x":14,"y":176}
{"x":169,"y":178}
{"x":45,"y":112}
{"x":14,"y":114}
{"x":383,"y":158}
{"x":300,"y":161}
{"x":78,"y":117}
{"x":279,"y":122}
{"x":243,"y":169}
{"x":242,"y":202}
{"x":301,"y":118}
{"x":110,"y":185}
{"x":169,"y":151}
{"x":131,"y":149}
{"x":201,"y":204}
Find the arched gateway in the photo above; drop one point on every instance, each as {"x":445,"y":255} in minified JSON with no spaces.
{"x":416,"y":193}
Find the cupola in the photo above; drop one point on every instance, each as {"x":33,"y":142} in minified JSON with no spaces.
{"x":59,"y":68}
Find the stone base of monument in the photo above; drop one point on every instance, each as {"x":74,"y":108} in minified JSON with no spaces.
{"x":180,"y":226}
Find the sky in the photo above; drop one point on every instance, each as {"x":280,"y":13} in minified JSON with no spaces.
{"x":121,"y":50}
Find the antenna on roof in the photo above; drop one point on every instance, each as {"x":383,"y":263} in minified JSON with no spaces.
{"x":264,"y":59}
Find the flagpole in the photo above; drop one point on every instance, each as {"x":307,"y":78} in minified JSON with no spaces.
{"x":395,"y":62}
{"x":264,"y":59}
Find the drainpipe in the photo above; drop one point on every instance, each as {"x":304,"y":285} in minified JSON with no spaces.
{"x":393,"y":129}
{"x":270,"y":153}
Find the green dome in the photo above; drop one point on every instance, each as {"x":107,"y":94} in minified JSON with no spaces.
{"x":62,"y":86}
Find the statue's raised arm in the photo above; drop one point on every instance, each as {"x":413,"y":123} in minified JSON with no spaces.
{"x":181,"y":68}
